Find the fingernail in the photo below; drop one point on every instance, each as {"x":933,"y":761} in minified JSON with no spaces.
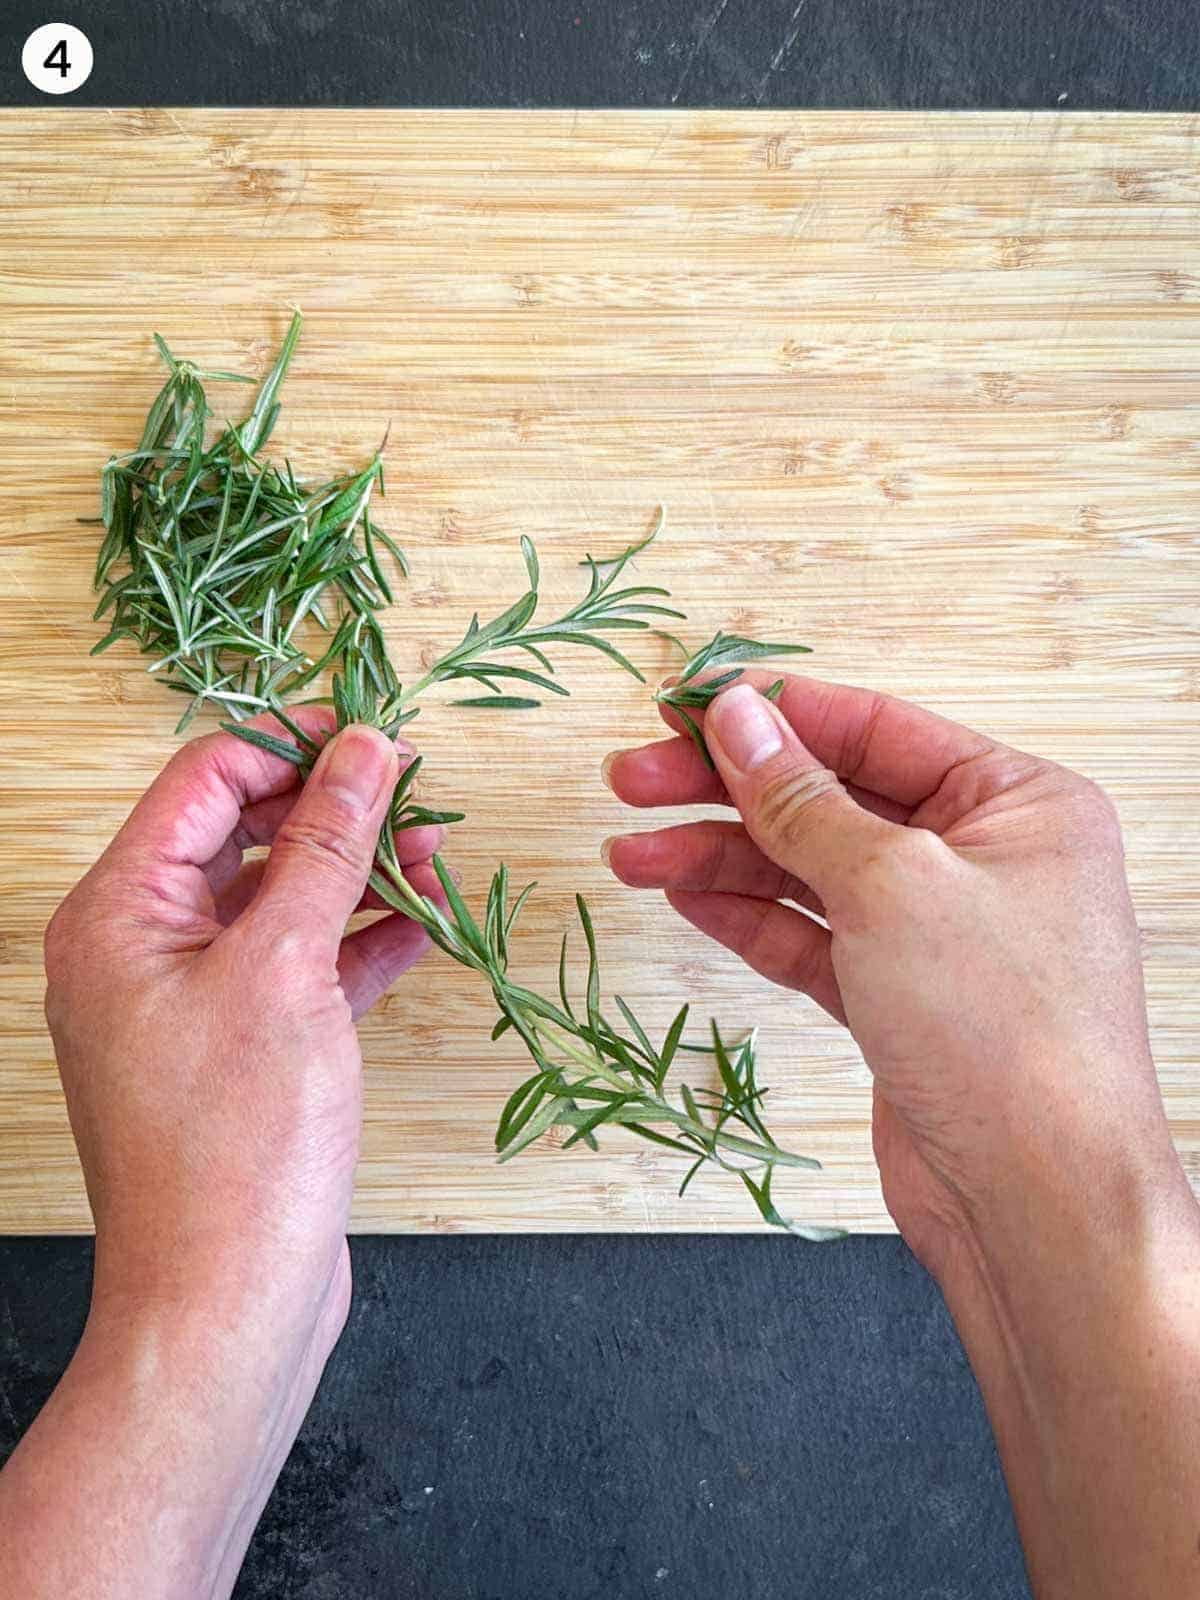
{"x":606,"y":767}
{"x":745,"y":726}
{"x":669,"y":682}
{"x":358,"y":764}
{"x":606,"y":851}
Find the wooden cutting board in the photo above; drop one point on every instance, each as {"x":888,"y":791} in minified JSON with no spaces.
{"x":920,"y":390}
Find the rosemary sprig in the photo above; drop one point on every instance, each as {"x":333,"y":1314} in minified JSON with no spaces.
{"x":228,"y":560}
{"x":602,"y":609}
{"x":588,"y":1071}
{"x":686,"y":695}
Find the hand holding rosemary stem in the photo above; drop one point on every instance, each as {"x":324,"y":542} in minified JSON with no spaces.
{"x":231,"y":560}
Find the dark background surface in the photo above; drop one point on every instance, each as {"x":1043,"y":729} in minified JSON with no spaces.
{"x":1121,"y":54}
{"x":618,"y":1417}
{"x":609,"y":1418}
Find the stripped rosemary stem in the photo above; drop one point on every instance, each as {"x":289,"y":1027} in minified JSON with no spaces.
{"x":230,"y":560}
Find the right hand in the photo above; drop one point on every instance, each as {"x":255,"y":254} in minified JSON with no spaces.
{"x":976,"y":934}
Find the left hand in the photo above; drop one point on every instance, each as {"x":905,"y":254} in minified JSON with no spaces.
{"x":202,"y":1011}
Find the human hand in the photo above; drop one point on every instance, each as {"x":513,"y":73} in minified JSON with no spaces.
{"x":202,"y":1013}
{"x":963,"y":908}
{"x":976,"y":934}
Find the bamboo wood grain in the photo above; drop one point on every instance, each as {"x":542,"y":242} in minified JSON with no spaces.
{"x":920,"y":390}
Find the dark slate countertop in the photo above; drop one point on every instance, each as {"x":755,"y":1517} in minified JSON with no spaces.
{"x":1117,"y":54}
{"x":609,"y":1418}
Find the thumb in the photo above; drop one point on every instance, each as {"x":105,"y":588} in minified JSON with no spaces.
{"x":321,"y":858}
{"x":796,"y":810}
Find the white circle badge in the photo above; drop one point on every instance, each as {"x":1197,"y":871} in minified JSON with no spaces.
{"x":57,"y":58}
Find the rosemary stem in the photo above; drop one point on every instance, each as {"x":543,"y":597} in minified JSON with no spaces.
{"x":413,"y":690}
{"x":655,"y":1109}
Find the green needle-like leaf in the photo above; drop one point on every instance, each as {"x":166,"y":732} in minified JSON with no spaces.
{"x":268,"y":742}
{"x":498,"y":702}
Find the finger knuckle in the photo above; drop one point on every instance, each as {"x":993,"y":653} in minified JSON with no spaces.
{"x":788,"y":800}
{"x":1099,"y":819}
{"x":199,"y":758}
{"x":65,"y":951}
{"x":58,"y":940}
{"x":1095,"y":797}
{"x":279,"y":954}
{"x":319,"y":841}
{"x":858,"y":737}
{"x":969,"y":782}
{"x":67,"y":937}
{"x":912,"y":849}
{"x":711,"y":865}
{"x":1078,"y":812}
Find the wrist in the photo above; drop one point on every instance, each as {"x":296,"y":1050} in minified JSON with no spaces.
{"x":241,"y":1304}
{"x":1067,"y":1256}
{"x":197,"y":1422}
{"x":1073,"y":1170}
{"x":1108,"y":1199}
{"x":1079,"y":1309}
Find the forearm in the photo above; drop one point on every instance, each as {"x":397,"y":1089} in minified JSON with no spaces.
{"x":1078,"y":1302}
{"x":148,"y":1468}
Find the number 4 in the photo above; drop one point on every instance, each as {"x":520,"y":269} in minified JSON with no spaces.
{"x":58,"y":58}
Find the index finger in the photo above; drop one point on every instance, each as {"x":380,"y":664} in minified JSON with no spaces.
{"x":197,"y":800}
{"x":874,"y":741}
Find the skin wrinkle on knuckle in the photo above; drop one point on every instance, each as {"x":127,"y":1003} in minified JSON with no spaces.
{"x":320,"y":843}
{"x":786,"y":799}
{"x":712,"y":860}
{"x":156,"y":883}
{"x":203,"y":765}
{"x":986,"y":773}
{"x":858,"y":737}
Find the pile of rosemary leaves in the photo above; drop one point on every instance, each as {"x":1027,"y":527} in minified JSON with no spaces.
{"x":245,"y":585}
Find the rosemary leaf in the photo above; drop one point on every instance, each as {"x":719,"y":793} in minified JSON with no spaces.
{"x":268,"y":742}
{"x":498,"y":702}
